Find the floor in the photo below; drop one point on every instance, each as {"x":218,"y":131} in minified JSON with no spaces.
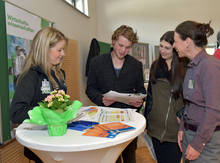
{"x":142,"y":153}
{"x":144,"y":156}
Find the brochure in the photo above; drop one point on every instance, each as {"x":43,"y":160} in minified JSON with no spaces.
{"x":106,"y":114}
{"x":108,"y":130}
{"x":115,"y":115}
{"x":81,"y":125}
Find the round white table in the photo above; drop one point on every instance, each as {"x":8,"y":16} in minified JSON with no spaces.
{"x":74,"y":147}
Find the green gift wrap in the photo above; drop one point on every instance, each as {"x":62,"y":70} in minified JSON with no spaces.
{"x":56,"y":122}
{"x":57,"y":129}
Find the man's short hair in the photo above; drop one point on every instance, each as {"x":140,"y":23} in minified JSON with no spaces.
{"x":127,"y":32}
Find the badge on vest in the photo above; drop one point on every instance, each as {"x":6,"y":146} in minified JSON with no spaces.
{"x":45,"y":88}
{"x":191,"y":84}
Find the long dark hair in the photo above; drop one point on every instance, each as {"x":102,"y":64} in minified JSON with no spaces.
{"x":176,"y":73}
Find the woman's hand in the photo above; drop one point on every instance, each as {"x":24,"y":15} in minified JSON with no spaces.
{"x":178,"y":120}
{"x":180,"y":139}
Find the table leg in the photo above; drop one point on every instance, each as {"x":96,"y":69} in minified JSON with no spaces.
{"x":103,"y":155}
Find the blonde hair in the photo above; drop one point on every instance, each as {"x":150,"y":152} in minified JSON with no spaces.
{"x":127,"y":32}
{"x":45,"y":39}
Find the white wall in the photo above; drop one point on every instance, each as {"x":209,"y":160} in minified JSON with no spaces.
{"x":152,"y":18}
{"x":72,"y":23}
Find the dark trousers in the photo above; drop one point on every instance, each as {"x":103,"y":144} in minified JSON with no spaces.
{"x":129,"y":155}
{"x":166,"y":152}
{"x":31,"y":155}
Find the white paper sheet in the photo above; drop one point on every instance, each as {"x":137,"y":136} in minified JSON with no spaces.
{"x":107,"y":114}
{"x":124,"y":97}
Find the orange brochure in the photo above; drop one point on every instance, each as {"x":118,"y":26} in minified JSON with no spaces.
{"x":108,"y":130}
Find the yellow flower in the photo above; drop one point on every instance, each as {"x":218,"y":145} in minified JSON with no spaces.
{"x":60,"y":99}
{"x":61,"y":92}
{"x":53,"y":92}
{"x":50,"y":104}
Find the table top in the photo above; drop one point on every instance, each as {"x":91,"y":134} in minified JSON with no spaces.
{"x":74,"y":140}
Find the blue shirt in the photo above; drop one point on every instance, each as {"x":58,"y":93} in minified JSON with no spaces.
{"x":117,"y":71}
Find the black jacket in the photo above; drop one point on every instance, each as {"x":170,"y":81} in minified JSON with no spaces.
{"x":94,"y":51}
{"x":32,"y":88}
{"x":102,"y":78}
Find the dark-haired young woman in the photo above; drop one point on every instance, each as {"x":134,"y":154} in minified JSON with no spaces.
{"x":199,"y":134}
{"x":164,"y":99}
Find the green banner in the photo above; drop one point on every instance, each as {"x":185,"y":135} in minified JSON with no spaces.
{"x":5,"y":125}
{"x":17,"y":29}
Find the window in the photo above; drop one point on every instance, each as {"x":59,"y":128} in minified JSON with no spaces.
{"x":210,"y":49}
{"x":141,"y":52}
{"x":81,"y":5}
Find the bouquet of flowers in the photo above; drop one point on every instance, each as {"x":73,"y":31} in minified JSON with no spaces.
{"x":57,"y":101}
{"x":55,"y":111}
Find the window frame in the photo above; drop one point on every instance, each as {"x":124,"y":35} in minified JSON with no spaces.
{"x":210,"y":49}
{"x":73,"y":3}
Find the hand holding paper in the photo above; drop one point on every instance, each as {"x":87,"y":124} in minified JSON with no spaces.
{"x":107,"y":101}
{"x":127,"y":98}
{"x":136,"y":102}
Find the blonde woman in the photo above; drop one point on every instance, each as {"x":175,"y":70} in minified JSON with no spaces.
{"x":40,"y":75}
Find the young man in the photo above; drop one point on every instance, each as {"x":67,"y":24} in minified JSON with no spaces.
{"x":117,"y":71}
